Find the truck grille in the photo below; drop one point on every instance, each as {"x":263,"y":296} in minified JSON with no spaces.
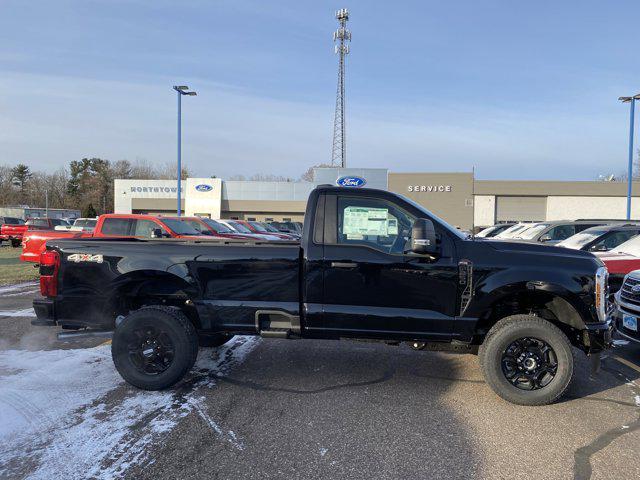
{"x":626,"y":292}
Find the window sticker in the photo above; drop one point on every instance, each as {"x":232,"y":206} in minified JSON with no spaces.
{"x":365,"y":221}
{"x":392,"y":226}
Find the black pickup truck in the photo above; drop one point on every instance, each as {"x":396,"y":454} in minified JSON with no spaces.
{"x":370,"y":265}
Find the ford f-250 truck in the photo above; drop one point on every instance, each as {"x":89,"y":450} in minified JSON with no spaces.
{"x":371,"y":265}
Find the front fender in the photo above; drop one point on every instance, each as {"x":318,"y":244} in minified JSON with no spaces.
{"x":494,"y":287}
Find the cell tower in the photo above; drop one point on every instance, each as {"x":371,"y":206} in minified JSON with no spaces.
{"x":341,"y":36}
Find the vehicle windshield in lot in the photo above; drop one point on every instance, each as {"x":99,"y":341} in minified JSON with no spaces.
{"x":579,"y":240}
{"x":13,"y":221}
{"x":271,"y":228}
{"x":259,"y":227}
{"x":239,"y":227}
{"x":511,"y":231}
{"x":90,"y":222}
{"x":487,"y":231}
{"x":180,"y":227}
{"x":531,"y":232}
{"x":630,"y":247}
{"x":217,"y":226}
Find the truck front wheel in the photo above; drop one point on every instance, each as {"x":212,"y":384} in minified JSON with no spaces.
{"x":527,"y":360}
{"x":154,"y":347}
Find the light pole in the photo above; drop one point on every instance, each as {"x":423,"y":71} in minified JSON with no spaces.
{"x":632,"y":102}
{"x":182,"y":90}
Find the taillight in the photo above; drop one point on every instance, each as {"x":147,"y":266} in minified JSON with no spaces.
{"x":49,"y":265}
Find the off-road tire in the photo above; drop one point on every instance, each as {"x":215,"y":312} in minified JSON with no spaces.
{"x":214,"y":340}
{"x":15,"y":243}
{"x":177,"y":328}
{"x":515,"y":327}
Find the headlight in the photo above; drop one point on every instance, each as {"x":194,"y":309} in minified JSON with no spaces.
{"x":601,"y":292}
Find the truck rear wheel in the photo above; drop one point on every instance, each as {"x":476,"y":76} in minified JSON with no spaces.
{"x":527,"y":360}
{"x":15,"y":243}
{"x":154,"y":347}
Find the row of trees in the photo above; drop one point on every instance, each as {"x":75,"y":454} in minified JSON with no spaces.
{"x":86,"y":185}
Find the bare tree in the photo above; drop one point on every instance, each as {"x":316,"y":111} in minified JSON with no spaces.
{"x":308,"y":175}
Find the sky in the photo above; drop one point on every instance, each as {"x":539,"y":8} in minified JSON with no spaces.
{"x":512,"y":90}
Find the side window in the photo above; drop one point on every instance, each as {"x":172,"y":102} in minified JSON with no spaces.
{"x":374,"y":222}
{"x":144,"y":228}
{"x":116,"y":226}
{"x":562,"y":232}
{"x":582,"y":227}
{"x":612,"y":241}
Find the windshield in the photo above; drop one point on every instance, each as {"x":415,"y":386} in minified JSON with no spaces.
{"x":13,"y":221}
{"x":631,"y":247}
{"x":180,"y":227}
{"x":239,"y":227}
{"x":451,"y":229}
{"x":88,"y":222}
{"x":579,"y":240}
{"x":487,"y":231}
{"x":259,"y":227}
{"x":511,"y":231}
{"x":217,"y":226}
{"x":271,"y":228}
{"x":531,"y":232}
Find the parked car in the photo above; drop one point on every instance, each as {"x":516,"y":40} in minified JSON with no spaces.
{"x":237,"y":226}
{"x":554,"y":232}
{"x":494,"y":230}
{"x":626,"y":315}
{"x":288,"y":227}
{"x":212,"y":228}
{"x":373,"y":266}
{"x":4,"y":235}
{"x":601,"y":238}
{"x":621,"y":260}
{"x":113,"y":226}
{"x":257,"y":227}
{"x":14,"y":233}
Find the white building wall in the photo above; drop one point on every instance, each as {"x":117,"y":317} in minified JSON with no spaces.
{"x":203,"y":196}
{"x":572,"y":208}
{"x":484,"y":210}
{"x":125,"y":190}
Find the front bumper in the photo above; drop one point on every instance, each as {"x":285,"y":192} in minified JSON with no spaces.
{"x":45,"y":309}
{"x":598,"y":336}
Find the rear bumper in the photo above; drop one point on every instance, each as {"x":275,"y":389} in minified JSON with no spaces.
{"x":45,"y":310}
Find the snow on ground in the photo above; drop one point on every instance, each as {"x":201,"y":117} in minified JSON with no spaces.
{"x":19,"y":289}
{"x":68,"y":414}
{"x":26,"y":312}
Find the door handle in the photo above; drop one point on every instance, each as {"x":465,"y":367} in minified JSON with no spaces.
{"x":344,"y":264}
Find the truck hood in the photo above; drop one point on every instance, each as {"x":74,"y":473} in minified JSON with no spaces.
{"x":619,"y":263}
{"x":536,"y":248}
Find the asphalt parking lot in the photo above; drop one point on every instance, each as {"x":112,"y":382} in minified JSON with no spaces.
{"x":300,"y":409}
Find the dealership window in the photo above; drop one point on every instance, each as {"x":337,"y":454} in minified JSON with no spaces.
{"x":268,"y":219}
{"x":251,"y":219}
{"x":286,"y":219}
{"x":116,"y":226}
{"x":377,"y":223}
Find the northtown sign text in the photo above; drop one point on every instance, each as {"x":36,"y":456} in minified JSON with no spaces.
{"x":429,"y":188}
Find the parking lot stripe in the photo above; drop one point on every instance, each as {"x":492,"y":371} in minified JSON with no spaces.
{"x":627,"y":363}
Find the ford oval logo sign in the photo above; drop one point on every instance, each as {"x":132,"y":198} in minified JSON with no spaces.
{"x":636,"y":288}
{"x":351,"y":182}
{"x":204,"y":188}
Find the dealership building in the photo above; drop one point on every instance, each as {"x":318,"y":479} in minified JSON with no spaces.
{"x":457,"y":197}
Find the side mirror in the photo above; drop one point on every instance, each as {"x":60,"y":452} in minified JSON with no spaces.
{"x":545,"y":238}
{"x":156,"y":233}
{"x":423,"y":237}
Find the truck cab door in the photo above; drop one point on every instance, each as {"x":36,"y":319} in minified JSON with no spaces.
{"x":375,"y":287}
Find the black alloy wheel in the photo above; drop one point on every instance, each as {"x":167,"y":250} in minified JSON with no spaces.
{"x":529,"y":363}
{"x":151,"y":350}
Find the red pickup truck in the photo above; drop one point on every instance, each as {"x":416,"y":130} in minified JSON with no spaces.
{"x":111,"y":225}
{"x":15,"y":232}
{"x":620,"y":261}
